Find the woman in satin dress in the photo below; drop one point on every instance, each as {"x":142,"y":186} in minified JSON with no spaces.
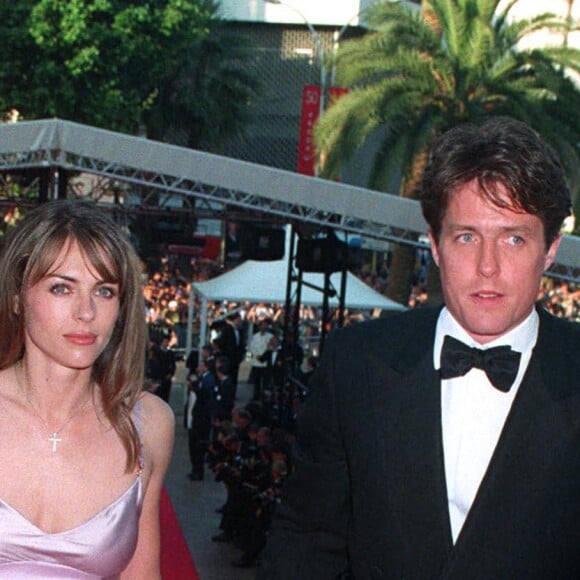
{"x":83,"y":449}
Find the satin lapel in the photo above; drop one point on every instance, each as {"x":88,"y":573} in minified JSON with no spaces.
{"x":408,"y":416}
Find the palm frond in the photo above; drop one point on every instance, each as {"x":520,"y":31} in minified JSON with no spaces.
{"x":413,"y":76}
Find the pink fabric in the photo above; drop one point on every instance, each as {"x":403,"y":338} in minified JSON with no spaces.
{"x":100,"y":548}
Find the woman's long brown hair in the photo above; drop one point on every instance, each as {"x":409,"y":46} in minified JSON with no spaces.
{"x":30,"y":252}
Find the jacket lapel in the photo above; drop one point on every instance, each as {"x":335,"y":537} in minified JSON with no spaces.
{"x":408,"y":416}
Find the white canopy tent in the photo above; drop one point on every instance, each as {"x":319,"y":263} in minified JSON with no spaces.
{"x":266,"y":282}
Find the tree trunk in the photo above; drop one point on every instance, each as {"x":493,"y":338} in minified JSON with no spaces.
{"x":401,"y":274}
{"x":404,"y":256}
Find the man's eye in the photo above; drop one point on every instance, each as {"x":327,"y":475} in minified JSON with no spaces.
{"x":516,"y":240}
{"x":466,"y":237}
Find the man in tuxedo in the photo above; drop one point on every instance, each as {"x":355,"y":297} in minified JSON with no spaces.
{"x":232,"y":344}
{"x":274,"y":363}
{"x":201,"y":386}
{"x":224,"y":390}
{"x":445,"y":443}
{"x":165,"y":364}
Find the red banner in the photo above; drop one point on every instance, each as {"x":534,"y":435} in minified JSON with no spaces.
{"x":311,"y":96}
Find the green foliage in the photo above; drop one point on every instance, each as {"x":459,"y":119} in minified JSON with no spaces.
{"x":118,"y":64}
{"x":413,"y":77}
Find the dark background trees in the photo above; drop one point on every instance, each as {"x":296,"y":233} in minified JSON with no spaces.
{"x":160,"y":69}
{"x":153,"y":68}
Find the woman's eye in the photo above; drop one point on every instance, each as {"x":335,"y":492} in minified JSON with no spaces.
{"x":59,"y":289}
{"x":106,"y":292}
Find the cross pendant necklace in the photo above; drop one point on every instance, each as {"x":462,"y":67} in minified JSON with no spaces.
{"x":55,"y":438}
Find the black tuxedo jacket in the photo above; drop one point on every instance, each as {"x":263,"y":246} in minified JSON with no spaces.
{"x":204,"y":390}
{"x":224,"y":397}
{"x":368,"y":498}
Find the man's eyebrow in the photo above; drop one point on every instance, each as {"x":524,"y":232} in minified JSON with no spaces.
{"x":508,"y":228}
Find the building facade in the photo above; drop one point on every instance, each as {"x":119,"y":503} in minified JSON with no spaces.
{"x":289,"y":40}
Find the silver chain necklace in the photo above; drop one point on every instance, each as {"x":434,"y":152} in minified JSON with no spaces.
{"x":55,"y":438}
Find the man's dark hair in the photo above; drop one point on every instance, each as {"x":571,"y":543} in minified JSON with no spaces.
{"x":502,"y":151}
{"x":244,"y":414}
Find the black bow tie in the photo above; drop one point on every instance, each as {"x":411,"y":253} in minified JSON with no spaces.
{"x":500,"y":363}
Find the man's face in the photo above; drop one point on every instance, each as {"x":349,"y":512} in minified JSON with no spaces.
{"x":491,"y":262}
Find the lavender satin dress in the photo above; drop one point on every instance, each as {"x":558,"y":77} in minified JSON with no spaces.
{"x":101,"y":547}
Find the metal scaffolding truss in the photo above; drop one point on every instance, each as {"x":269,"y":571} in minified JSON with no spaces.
{"x":149,"y":176}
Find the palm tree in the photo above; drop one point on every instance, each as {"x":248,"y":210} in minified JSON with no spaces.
{"x":418,"y":73}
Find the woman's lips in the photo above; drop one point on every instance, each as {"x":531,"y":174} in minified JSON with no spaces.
{"x":81,"y":338}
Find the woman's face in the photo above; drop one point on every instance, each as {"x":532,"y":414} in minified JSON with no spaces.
{"x":70,"y":313}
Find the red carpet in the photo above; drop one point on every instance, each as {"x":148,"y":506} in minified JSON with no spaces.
{"x":176,"y":561}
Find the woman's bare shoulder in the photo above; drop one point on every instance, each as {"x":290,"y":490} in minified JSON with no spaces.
{"x":155,"y":409}
{"x":158,"y":427}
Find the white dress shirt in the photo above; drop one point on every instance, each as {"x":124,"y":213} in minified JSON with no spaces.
{"x":474,"y":412}
{"x":258,"y":346}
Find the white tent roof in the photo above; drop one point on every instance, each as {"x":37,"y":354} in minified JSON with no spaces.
{"x":266,"y":282}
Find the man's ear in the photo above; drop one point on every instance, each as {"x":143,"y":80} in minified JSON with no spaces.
{"x":434,"y":250}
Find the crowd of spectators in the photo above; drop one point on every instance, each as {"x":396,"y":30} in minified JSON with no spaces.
{"x":561,"y":298}
{"x":246,"y":447}
{"x":167,"y":292}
